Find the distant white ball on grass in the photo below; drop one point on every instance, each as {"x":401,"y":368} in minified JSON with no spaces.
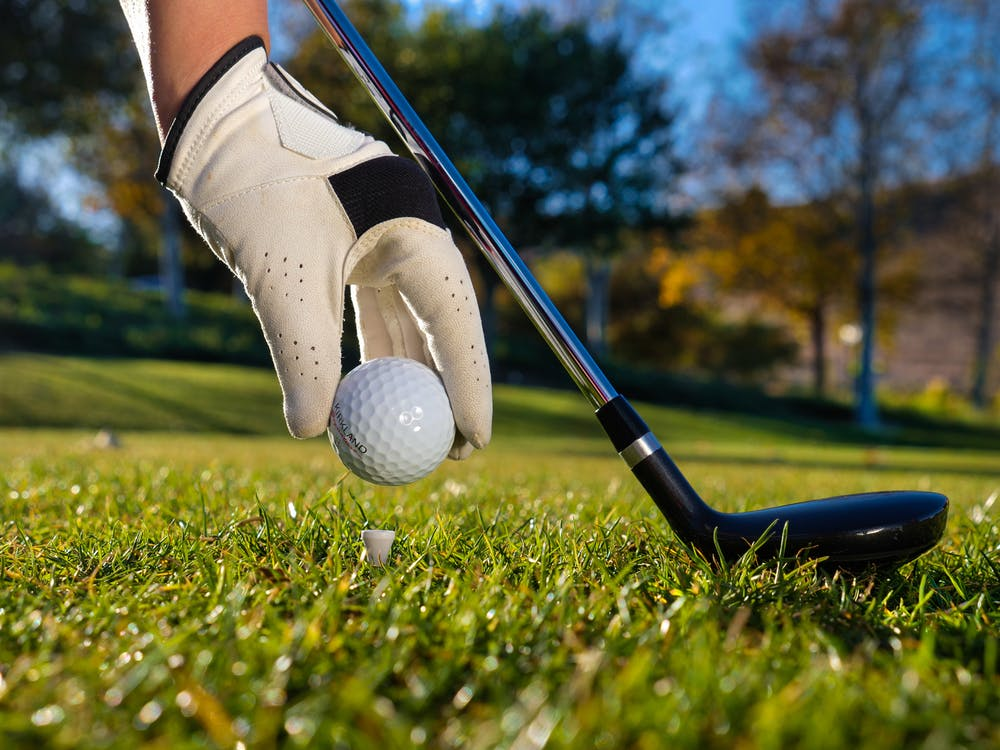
{"x":107,"y":439}
{"x":391,"y":421}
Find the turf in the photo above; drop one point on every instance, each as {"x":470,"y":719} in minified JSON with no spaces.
{"x":197,"y":589}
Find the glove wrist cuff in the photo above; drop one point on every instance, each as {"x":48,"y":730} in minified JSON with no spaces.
{"x":194,"y":97}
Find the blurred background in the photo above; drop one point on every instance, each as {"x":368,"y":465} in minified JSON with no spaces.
{"x":736,"y":203}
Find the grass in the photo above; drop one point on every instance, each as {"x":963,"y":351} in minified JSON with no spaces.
{"x":196,"y":589}
{"x":51,"y":391}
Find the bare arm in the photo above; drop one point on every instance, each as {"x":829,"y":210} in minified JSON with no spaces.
{"x":179,"y":40}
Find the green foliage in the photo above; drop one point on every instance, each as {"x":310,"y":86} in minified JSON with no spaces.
{"x":551,"y":127}
{"x":64,"y":64}
{"x":43,"y":311}
{"x":204,"y":590}
{"x":938,"y":398}
{"x":749,"y":349}
{"x":683,"y":337}
{"x":688,"y":335}
{"x":686,"y":339}
{"x":32,"y":232}
{"x":61,"y":313}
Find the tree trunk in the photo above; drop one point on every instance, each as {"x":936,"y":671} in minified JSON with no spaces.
{"x":597,"y":304}
{"x":987,"y":312}
{"x":817,"y":324}
{"x":171,"y":268}
{"x":866,"y":407}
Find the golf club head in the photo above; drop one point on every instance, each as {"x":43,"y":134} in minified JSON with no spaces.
{"x":875,"y":529}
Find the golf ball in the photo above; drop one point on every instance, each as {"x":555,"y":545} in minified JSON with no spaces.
{"x":391,"y":421}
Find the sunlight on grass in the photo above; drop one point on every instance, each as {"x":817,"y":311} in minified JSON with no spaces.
{"x":206,"y":590}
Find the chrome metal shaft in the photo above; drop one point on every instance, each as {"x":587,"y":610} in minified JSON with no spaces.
{"x":453,"y":188}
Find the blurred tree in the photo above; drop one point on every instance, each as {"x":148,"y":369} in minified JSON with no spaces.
{"x":32,"y":232}
{"x":979,"y":216}
{"x":797,"y":259}
{"x":69,"y":70}
{"x":670,"y":317}
{"x":680,"y":327}
{"x":983,"y":234}
{"x":120,"y":152}
{"x":63,"y":64}
{"x":840,"y":103}
{"x":552,"y":129}
{"x":841,"y":98}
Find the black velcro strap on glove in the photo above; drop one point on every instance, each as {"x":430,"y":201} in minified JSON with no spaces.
{"x":386,"y":188}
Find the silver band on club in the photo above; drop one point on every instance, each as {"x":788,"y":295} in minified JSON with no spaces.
{"x":640,"y":449}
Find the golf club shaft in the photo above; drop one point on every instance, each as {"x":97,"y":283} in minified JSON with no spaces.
{"x":459,"y":196}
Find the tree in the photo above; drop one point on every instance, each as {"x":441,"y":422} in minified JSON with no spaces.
{"x":611,"y":181}
{"x":63,"y":64}
{"x":985,"y":240}
{"x":550,"y":127}
{"x":32,"y":232}
{"x":70,"y":72}
{"x":841,"y":85}
{"x":979,"y":216}
{"x":796,"y":259}
{"x":120,"y":153}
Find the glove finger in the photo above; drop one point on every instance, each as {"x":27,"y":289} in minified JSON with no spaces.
{"x":385,"y":326}
{"x":381,"y":311}
{"x":305,"y":350}
{"x":425,"y":266}
{"x":298,"y":297}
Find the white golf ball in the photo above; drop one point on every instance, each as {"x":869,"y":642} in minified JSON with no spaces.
{"x":391,"y":421}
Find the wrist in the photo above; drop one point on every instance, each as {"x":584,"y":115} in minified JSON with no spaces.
{"x":187,"y":38}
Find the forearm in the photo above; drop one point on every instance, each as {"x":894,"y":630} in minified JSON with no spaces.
{"x":179,"y":40}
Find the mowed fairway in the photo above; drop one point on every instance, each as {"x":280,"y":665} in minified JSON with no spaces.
{"x":198,"y":589}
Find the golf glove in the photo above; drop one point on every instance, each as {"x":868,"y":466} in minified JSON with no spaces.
{"x":299,"y":206}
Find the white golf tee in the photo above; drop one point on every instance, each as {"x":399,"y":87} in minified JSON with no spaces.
{"x":378,"y":544}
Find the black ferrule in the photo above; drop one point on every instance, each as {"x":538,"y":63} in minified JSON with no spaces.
{"x":622,"y":423}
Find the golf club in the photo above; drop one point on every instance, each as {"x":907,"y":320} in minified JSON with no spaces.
{"x":849,"y":531}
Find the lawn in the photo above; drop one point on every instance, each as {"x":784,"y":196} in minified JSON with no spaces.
{"x":201,"y":584}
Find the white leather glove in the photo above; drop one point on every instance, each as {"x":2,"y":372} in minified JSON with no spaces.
{"x":298,"y":206}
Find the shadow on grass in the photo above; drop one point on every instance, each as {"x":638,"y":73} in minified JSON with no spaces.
{"x":198,"y":418}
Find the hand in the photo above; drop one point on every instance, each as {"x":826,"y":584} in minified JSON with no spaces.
{"x":298,"y":206}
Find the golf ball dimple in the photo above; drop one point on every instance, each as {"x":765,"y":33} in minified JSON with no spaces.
{"x":391,"y":421}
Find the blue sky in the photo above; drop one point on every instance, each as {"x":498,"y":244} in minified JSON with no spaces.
{"x":706,"y":34}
